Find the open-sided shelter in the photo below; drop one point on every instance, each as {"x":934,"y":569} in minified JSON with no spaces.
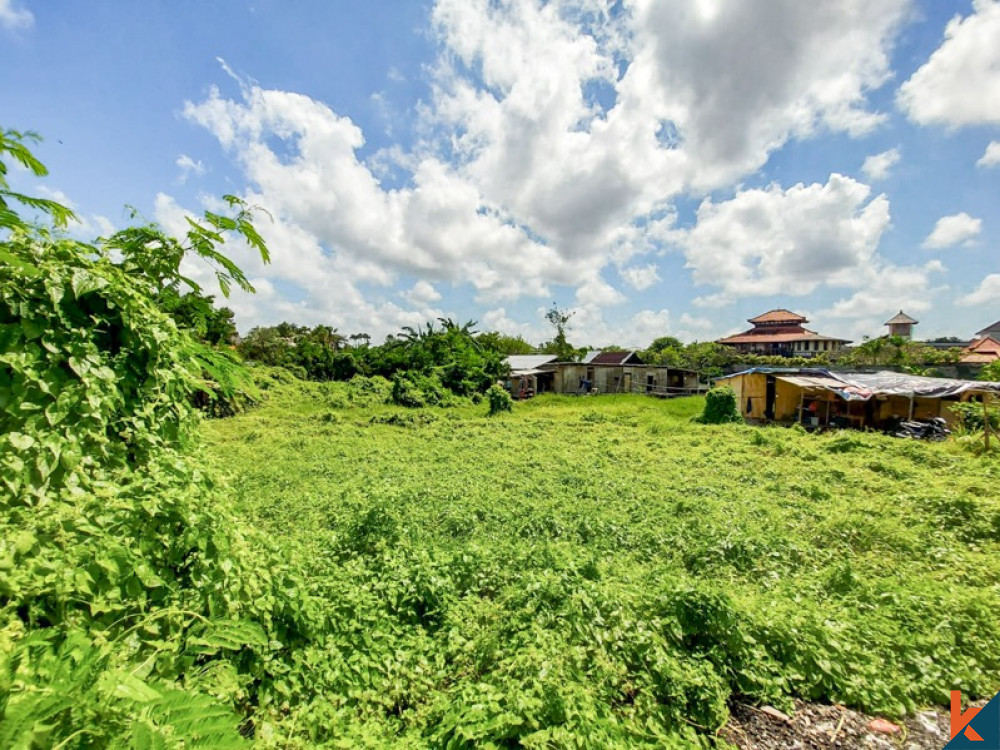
{"x":530,"y":374}
{"x":854,"y":399}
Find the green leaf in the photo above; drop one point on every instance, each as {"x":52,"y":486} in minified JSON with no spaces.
{"x":231,"y":635}
{"x":132,"y":688}
{"x":21,"y":441}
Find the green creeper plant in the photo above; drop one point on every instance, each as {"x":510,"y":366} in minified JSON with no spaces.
{"x":134,"y":610}
{"x":720,"y":407}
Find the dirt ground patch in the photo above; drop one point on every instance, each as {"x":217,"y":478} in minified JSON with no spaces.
{"x":814,"y":726}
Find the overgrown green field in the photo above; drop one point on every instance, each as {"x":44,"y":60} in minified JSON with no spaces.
{"x":601,"y":571}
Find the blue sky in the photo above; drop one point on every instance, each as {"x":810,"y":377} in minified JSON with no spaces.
{"x":660,"y":167}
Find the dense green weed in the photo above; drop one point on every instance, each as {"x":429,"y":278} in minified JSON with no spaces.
{"x":604,"y":568}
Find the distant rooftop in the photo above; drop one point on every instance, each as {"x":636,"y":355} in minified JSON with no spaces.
{"x":900,"y":318}
{"x":781,"y":315}
{"x":993,"y":330}
{"x":616,"y":358}
{"x":982,"y":351}
{"x":525,"y":362}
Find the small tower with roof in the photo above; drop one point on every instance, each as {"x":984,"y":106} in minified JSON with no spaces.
{"x":901,"y":324}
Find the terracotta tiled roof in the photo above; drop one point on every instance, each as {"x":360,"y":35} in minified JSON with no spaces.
{"x":776,"y":338}
{"x":978,"y":359}
{"x":781,"y":315}
{"x":982,"y":351}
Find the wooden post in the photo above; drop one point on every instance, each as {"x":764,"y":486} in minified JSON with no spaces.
{"x":912,"y":395}
{"x":986,"y":420}
{"x":828,"y":410}
{"x":802,"y":406}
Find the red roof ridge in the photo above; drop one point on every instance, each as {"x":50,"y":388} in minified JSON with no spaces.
{"x":779,"y":314}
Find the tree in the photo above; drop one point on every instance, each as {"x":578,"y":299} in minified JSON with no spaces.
{"x":665,"y":342}
{"x":504,"y":344}
{"x":14,"y":144}
{"x":559,"y":346}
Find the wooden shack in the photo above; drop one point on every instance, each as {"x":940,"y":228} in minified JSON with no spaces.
{"x":598,"y":378}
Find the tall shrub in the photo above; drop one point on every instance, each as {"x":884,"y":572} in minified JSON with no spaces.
{"x":720,"y":407}
{"x":133,"y":609}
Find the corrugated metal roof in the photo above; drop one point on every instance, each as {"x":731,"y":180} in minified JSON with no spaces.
{"x":589,"y":356}
{"x":519,"y":362}
{"x":865,"y":385}
{"x":615,"y":358}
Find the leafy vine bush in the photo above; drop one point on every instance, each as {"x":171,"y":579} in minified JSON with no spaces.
{"x":499,"y":400}
{"x":720,"y":407}
{"x":970,"y":416}
{"x":415,"y":390}
{"x":134,"y":608}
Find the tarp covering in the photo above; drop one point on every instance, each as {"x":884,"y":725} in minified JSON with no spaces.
{"x":824,"y":382}
{"x":864,"y":385}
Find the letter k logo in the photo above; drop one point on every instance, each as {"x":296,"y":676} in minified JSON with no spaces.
{"x":959,"y":720}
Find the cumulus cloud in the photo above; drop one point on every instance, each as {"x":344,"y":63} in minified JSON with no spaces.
{"x":987,"y":293}
{"x":959,"y":84}
{"x":640,"y":277}
{"x":440,"y":228}
{"x":188,"y":167}
{"x":774,"y":241}
{"x":553,"y":142}
{"x":877,"y":166}
{"x":421,"y":294}
{"x":991,"y":157}
{"x":959,"y":229}
{"x":14,"y":17}
{"x":498,"y":319}
{"x":738,"y":80}
{"x":886,"y":288}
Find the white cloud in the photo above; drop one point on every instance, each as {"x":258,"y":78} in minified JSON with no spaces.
{"x":987,"y":293}
{"x":737,"y":84}
{"x":877,"y":166}
{"x":774,"y":241}
{"x":889,"y":288}
{"x":886,"y":289}
{"x":959,"y":229}
{"x":86,"y":227}
{"x":991,"y":157}
{"x":498,"y":319}
{"x":188,"y":167}
{"x":960,"y":83}
{"x":440,"y":228}
{"x":555,"y":138}
{"x":421,"y":294}
{"x":640,"y":277}
{"x":14,"y":17}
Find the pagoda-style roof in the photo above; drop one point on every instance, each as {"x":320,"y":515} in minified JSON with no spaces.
{"x":781,"y":336}
{"x":983,"y":351}
{"x":900,"y":318}
{"x":781,"y":315}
